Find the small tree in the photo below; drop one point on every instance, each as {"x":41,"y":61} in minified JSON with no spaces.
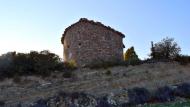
{"x":130,"y":55}
{"x":166,"y":49}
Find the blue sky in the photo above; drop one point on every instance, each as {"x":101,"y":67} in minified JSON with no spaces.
{"x":38,"y":24}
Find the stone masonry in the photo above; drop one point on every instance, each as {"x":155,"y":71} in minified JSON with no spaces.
{"x":87,"y":42}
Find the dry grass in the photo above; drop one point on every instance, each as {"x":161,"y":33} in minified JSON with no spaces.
{"x":98,"y":82}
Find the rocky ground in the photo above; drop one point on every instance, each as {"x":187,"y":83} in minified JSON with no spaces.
{"x":90,"y":86}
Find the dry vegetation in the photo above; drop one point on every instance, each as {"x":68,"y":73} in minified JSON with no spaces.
{"x":95,"y":81}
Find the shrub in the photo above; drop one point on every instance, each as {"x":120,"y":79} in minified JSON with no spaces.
{"x":183,"y":59}
{"x":130,"y":54}
{"x":21,"y":63}
{"x":138,"y":96}
{"x":131,"y":57}
{"x":163,"y":94}
{"x":60,"y":66}
{"x":71,"y":65}
{"x":167,"y":48}
{"x":34,"y":63}
{"x":6,"y":62}
{"x":44,"y":62}
{"x":38,"y":63}
{"x":183,"y":90}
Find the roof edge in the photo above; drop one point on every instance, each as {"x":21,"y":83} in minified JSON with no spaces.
{"x":92,"y":22}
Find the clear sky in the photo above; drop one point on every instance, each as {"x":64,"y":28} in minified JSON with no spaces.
{"x":38,"y":24}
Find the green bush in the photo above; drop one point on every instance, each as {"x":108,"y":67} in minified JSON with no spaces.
{"x":34,"y":63}
{"x":167,"y":48}
{"x":44,"y":62}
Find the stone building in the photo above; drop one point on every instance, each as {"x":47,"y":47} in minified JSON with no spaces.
{"x":87,"y":42}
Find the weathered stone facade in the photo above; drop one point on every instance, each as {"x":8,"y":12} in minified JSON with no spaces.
{"x":87,"y":41}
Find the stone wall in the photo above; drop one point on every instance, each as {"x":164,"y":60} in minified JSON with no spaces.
{"x":86,"y":42}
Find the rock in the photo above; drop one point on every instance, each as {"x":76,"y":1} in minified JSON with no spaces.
{"x":2,"y":103}
{"x":103,"y":102}
{"x":40,"y":103}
